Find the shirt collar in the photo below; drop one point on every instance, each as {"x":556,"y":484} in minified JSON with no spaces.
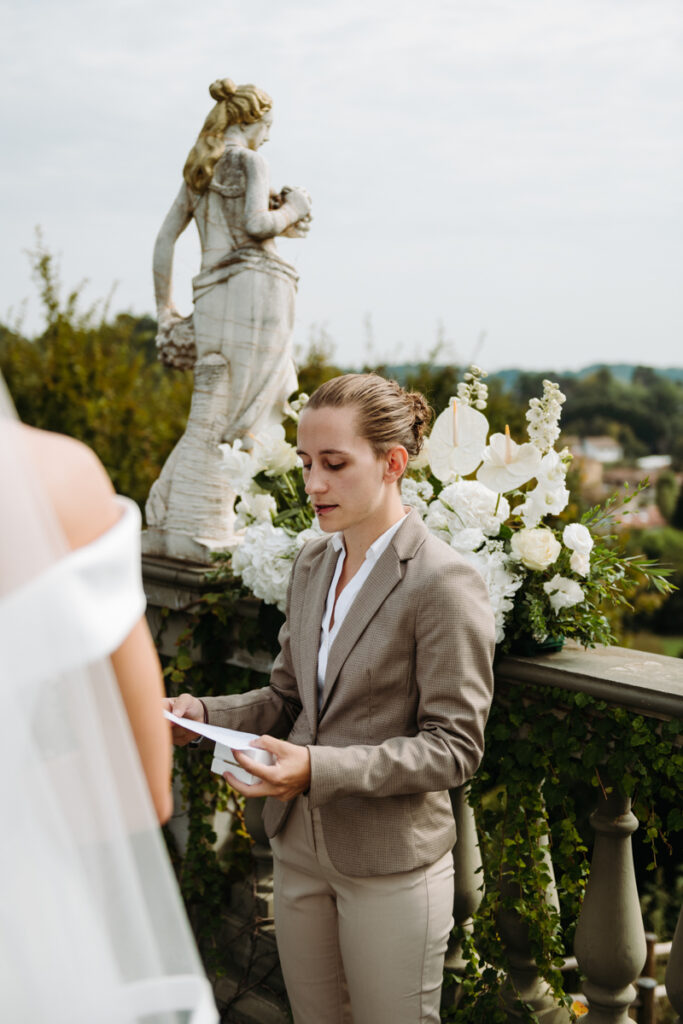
{"x":377,"y":548}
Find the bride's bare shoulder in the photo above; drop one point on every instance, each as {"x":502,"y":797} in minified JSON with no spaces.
{"x":76,"y":483}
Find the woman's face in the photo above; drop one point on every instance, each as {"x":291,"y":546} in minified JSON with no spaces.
{"x":258,"y":132}
{"x":346,"y":482}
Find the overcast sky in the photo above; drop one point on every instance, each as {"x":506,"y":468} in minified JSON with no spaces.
{"x":507,"y":174}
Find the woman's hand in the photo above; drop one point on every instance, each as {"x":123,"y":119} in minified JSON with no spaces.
{"x":184,"y":706}
{"x":289,"y":776}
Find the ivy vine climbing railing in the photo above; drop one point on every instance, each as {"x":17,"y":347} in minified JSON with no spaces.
{"x":537,"y":874}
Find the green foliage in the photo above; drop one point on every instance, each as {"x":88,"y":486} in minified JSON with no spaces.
{"x":666,"y":490}
{"x":221,"y":620}
{"x":90,"y":376}
{"x":546,"y":749}
{"x":549,"y":752}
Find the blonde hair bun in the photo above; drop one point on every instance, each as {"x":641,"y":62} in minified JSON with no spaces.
{"x":222,"y":89}
{"x":386,"y":414}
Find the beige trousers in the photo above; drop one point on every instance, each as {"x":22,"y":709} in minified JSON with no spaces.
{"x":357,"y":950}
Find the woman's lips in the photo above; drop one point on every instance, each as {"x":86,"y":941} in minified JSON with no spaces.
{"x":321,"y":510}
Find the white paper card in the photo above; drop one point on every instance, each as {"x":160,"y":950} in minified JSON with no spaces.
{"x":226,"y":741}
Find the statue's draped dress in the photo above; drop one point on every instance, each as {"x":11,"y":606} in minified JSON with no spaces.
{"x":244,"y":301}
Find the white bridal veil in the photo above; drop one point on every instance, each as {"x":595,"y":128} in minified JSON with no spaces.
{"x":92,"y":927}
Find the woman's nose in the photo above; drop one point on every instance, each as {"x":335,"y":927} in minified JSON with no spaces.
{"x":315,"y":484}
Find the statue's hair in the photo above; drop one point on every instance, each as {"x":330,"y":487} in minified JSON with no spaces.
{"x":235,"y":104}
{"x":386,"y":414}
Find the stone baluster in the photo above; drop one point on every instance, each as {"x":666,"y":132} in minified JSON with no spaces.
{"x":524,"y":982}
{"x":468,"y":879}
{"x":610,"y":939}
{"x":674,"y":971}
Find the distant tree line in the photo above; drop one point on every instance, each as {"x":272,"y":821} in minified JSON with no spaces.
{"x":96,"y":377}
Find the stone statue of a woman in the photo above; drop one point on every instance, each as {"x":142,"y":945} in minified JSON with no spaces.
{"x":239,"y":336}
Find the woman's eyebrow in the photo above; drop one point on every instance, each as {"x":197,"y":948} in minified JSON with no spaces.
{"x":324,"y":451}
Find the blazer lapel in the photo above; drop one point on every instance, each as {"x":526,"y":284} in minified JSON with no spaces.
{"x":313,"y":601}
{"x":385,"y":575}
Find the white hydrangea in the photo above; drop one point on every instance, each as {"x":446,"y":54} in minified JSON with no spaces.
{"x":254,"y":508}
{"x":417,"y":494}
{"x":470,"y":505}
{"x":543,"y":417}
{"x":264,"y":556}
{"x":502,"y":578}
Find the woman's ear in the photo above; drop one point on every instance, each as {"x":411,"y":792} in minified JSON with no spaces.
{"x":397,"y":460}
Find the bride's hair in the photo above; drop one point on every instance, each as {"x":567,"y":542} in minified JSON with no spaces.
{"x":386,"y":414}
{"x":235,"y":104}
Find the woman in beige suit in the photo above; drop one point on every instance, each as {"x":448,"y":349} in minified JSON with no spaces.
{"x":382,"y":688}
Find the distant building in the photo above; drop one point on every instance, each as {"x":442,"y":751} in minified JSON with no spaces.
{"x":656,"y":462}
{"x":602,"y":448}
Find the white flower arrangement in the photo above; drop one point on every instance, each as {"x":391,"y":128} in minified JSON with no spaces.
{"x":485,"y":495}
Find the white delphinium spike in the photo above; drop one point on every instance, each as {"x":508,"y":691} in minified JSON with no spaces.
{"x":543,"y":417}
{"x":472,"y":390}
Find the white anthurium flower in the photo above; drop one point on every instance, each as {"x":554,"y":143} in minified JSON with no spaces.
{"x":457,"y":441}
{"x":508,"y":465}
{"x":537,"y":548}
{"x":563,"y":593}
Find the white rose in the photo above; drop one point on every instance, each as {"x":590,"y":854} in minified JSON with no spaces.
{"x":537,"y":549}
{"x":577,"y":538}
{"x":563,"y":593}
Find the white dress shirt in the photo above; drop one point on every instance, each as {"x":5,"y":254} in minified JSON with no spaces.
{"x":348,"y":594}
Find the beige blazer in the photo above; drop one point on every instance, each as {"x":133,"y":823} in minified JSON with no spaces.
{"x":408,"y":687}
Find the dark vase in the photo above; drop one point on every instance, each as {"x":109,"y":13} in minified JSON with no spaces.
{"x":528,"y":647}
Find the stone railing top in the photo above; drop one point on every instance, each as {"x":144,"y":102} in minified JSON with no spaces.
{"x":651,"y":684}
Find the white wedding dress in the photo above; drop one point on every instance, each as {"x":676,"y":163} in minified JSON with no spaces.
{"x":92,"y":927}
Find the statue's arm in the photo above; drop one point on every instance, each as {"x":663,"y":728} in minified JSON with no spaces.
{"x":261,"y":222}
{"x":177,"y":219}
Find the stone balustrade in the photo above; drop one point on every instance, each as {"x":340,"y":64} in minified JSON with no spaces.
{"x":610,"y":940}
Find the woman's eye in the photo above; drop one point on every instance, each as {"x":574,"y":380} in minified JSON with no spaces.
{"x":335,"y":465}
{"x":306,"y":466}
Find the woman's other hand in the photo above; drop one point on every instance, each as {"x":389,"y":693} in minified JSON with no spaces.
{"x":289,"y":776}
{"x":184,"y":706}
